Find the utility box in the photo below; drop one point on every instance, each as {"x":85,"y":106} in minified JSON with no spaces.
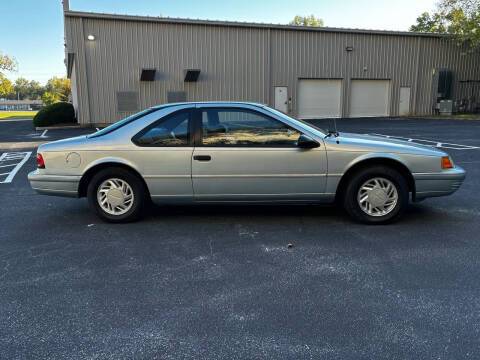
{"x":446,"y":107}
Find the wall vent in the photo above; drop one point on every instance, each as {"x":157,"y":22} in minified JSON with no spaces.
{"x":127,"y":101}
{"x":148,"y":75}
{"x":191,"y":75}
{"x":176,"y":96}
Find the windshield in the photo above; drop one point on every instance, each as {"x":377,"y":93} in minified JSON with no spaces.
{"x":122,"y":122}
{"x":301,"y":121}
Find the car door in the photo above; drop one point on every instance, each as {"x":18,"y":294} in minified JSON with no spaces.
{"x":244,"y":155}
{"x":165,"y":155}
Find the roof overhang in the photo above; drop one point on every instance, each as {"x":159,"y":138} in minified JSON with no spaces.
{"x":167,"y":20}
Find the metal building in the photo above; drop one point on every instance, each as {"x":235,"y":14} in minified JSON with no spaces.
{"x":120,"y":64}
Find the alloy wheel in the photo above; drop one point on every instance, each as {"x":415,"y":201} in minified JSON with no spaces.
{"x":115,"y":196}
{"x":377,"y":197}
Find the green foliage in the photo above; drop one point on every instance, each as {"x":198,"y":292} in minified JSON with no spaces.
{"x":306,"y":21}
{"x":60,"y":87}
{"x":49,"y":98}
{"x":34,"y":90}
{"x":57,"y":88}
{"x":7,"y":63}
{"x":460,"y":18}
{"x":6,"y":86}
{"x":58,"y":113}
{"x":429,"y":24}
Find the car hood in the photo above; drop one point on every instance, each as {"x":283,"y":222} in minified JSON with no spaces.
{"x":384,"y":144}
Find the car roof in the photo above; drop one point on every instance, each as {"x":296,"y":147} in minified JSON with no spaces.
{"x":219,"y":103}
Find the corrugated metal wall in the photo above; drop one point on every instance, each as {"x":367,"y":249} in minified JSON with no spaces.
{"x":246,"y":63}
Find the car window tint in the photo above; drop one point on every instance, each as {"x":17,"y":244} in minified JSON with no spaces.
{"x":171,"y":131}
{"x":122,"y":123}
{"x":231,"y":127}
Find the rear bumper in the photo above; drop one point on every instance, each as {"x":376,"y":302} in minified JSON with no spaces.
{"x":438,"y":184}
{"x":58,"y":185}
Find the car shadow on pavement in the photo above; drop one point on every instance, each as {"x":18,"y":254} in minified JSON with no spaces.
{"x":416,"y":213}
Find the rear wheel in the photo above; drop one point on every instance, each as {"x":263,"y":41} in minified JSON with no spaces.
{"x":376,"y":195}
{"x":116,"y":195}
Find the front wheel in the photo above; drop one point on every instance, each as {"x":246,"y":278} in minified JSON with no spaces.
{"x":376,"y":195}
{"x":116,"y":195}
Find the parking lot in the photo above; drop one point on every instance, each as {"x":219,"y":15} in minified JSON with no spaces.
{"x":220,"y":281}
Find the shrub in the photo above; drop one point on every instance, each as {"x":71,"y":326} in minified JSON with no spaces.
{"x":58,"y":113}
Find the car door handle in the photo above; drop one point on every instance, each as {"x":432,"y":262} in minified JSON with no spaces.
{"x":202,"y":157}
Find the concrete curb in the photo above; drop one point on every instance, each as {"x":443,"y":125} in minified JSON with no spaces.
{"x":40,"y":128}
{"x":26,"y":119}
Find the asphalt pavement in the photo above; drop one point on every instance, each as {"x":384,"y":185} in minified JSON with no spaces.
{"x":216,"y":282}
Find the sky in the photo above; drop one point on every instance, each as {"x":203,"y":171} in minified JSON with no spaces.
{"x":32,"y":30}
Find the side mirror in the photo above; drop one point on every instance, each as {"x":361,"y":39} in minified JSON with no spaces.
{"x":306,"y":142}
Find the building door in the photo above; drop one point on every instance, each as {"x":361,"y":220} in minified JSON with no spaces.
{"x":319,"y":98}
{"x":245,"y":154}
{"x":404,"y":107}
{"x":369,"y":98}
{"x":281,"y":99}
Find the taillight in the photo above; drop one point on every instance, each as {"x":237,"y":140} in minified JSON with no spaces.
{"x":447,"y":163}
{"x":40,"y":161}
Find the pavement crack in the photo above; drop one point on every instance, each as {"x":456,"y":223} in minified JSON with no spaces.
{"x":210,"y":243}
{"x":5,"y":269}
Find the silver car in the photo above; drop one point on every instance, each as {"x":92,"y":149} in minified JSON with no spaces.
{"x":218,"y":152}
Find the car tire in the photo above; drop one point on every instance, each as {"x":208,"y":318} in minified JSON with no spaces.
{"x":376,"y":195}
{"x":117,"y":195}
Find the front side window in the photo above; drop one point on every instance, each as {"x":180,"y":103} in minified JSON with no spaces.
{"x":173,"y":130}
{"x":238,"y":127}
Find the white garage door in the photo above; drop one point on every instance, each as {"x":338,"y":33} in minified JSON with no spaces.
{"x":369,"y":98}
{"x":319,"y":98}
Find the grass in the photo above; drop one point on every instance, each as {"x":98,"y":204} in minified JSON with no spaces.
{"x":9,"y":115}
{"x":467,"y":116}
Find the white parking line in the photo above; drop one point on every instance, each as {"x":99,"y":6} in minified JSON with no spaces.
{"x":432,"y":143}
{"x":6,"y":157}
{"x":37,"y":135}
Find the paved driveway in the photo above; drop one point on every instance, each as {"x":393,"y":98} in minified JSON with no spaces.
{"x":220,"y":282}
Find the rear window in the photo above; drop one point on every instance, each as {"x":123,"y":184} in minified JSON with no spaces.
{"x":123,"y":122}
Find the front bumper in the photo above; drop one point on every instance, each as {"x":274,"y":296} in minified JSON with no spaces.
{"x":438,"y":184}
{"x":59,"y":185}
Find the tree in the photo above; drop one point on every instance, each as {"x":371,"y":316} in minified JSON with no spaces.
{"x":6,"y":87}
{"x":7,"y":63}
{"x":22,"y":87}
{"x":58,"y":88}
{"x":306,"y":21}
{"x":460,"y":18}
{"x":35,"y":91}
{"x":429,"y":23}
{"x":25,"y":89}
{"x":49,"y":98}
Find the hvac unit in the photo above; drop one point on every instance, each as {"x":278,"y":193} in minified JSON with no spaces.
{"x":446,"y":107}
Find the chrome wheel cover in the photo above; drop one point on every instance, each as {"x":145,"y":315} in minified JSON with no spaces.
{"x":377,"y":197}
{"x":115,"y":196}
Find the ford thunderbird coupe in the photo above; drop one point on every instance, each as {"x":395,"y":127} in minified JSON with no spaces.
{"x":229,"y":152}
